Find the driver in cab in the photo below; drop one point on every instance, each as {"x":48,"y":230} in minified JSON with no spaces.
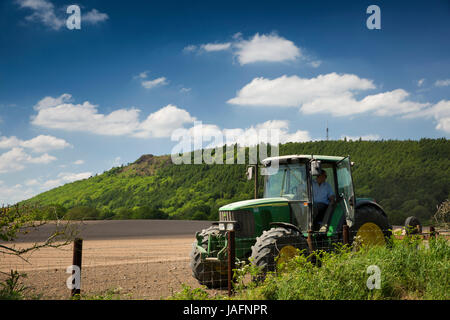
{"x":323,"y":195}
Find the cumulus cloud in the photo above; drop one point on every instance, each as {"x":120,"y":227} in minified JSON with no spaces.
{"x":294,"y":91}
{"x":439,"y":111}
{"x":259,"y":48}
{"x":163,"y":122}
{"x":93,"y":17}
{"x":272,"y":48}
{"x":16,"y":159}
{"x":39,"y":144}
{"x":86,"y":117}
{"x":331,"y":93}
{"x":63,"y":178}
{"x":10,"y":195}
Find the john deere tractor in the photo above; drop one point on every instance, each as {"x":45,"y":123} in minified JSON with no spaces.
{"x":286,"y":218}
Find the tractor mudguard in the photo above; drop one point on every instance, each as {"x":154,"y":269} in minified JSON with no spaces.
{"x":365,"y":202}
{"x":285,"y":225}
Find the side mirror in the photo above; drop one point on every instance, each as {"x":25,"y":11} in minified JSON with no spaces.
{"x":316,"y":167}
{"x":249,"y":173}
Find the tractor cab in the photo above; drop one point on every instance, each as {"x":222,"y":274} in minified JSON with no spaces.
{"x":292,"y":178}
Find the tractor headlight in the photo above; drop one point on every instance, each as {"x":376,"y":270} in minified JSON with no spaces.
{"x":227,"y":226}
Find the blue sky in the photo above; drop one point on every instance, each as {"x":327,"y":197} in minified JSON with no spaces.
{"x":74,"y":103}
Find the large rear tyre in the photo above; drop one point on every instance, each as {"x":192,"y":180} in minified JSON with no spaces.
{"x":275,"y":246}
{"x":371,"y":227}
{"x":412,"y":225}
{"x":210,"y":274}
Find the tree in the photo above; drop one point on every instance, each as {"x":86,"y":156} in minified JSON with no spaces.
{"x":18,"y":220}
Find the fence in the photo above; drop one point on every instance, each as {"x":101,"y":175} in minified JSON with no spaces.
{"x":153,"y":269}
{"x":122,"y":268}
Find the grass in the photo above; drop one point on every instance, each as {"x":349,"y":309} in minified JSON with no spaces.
{"x":409,"y":269}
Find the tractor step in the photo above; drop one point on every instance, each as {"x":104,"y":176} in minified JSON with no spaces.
{"x":212,"y":259}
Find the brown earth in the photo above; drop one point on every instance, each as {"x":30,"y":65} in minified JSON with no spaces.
{"x":139,"y":259}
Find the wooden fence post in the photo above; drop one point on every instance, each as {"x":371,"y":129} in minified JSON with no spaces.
{"x":77,"y":253}
{"x":231,"y":260}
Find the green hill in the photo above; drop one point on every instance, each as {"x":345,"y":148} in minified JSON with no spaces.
{"x":405,"y":177}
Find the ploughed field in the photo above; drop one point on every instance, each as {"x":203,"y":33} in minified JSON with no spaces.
{"x":138,"y":259}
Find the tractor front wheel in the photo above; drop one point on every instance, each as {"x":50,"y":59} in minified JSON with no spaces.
{"x":275,"y":246}
{"x":209,"y":273}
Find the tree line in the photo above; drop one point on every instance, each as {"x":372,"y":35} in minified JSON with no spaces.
{"x":409,"y":177}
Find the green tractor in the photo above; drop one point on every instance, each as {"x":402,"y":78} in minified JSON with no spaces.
{"x":271,"y":229}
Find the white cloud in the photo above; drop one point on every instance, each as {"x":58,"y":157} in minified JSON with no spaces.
{"x":94,"y":17}
{"x":44,"y":11}
{"x":16,"y":159}
{"x":367,"y":137}
{"x":294,"y":91}
{"x":49,"y":102}
{"x":420,"y":82}
{"x":11,"y":142}
{"x":439,"y":111}
{"x":78,"y":162}
{"x":216,"y":46}
{"x":442,"y":83}
{"x":44,"y":143}
{"x":328,"y":94}
{"x":163,"y":122}
{"x":65,"y":177}
{"x":11,"y":195}
{"x":383,"y":104}
{"x":272,"y":48}
{"x":259,"y":48}
{"x":85,"y":117}
{"x":184,"y":90}
{"x":149,"y":84}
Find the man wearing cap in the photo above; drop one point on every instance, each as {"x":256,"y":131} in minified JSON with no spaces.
{"x":323,"y":195}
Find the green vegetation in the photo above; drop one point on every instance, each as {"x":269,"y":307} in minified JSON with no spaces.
{"x":409,"y":269}
{"x":406,"y":177}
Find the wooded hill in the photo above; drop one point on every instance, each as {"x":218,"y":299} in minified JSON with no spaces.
{"x":405,"y":177}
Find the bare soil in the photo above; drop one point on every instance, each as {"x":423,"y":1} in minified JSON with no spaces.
{"x":137,"y":259}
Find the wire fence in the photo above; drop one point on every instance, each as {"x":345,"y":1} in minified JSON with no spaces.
{"x":108,"y":270}
{"x":134,"y":269}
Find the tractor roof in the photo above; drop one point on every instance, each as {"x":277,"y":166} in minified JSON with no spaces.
{"x":284,"y":159}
